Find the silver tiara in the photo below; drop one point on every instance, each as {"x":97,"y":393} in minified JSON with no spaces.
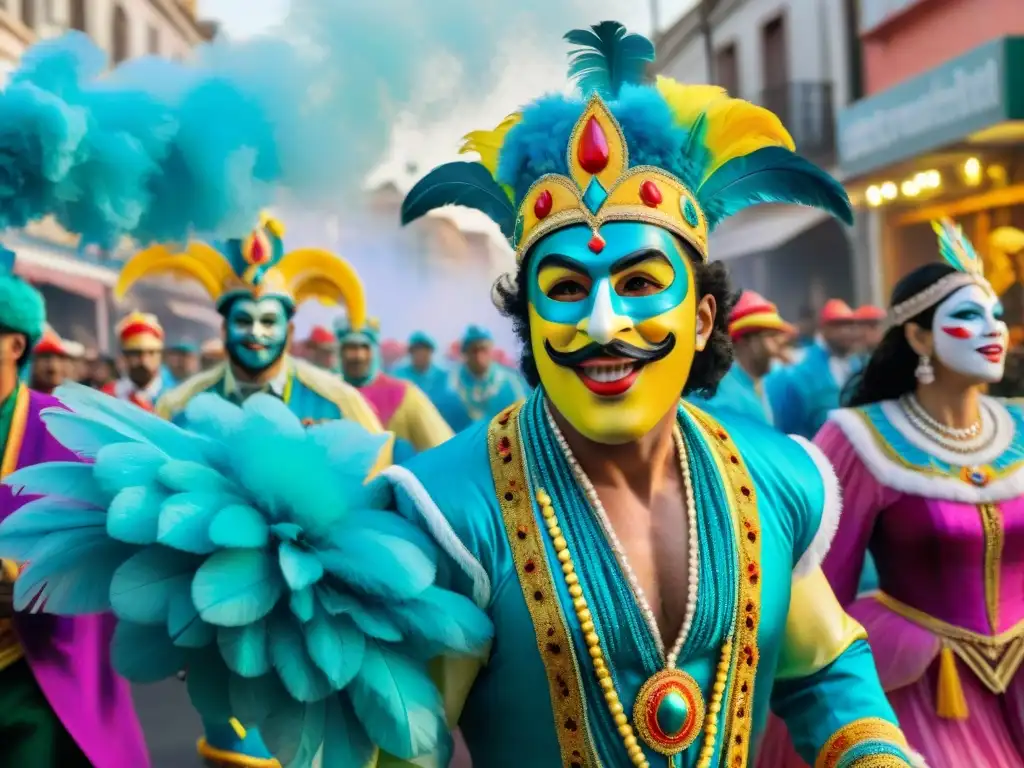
{"x":933,"y":294}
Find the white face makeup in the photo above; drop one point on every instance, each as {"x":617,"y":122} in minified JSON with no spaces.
{"x":970,"y":335}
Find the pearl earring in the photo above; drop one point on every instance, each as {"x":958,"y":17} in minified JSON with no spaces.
{"x":924,"y":373}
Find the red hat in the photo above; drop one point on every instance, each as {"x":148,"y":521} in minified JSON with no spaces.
{"x":869,"y":314}
{"x":753,"y":312}
{"x":835,"y":311}
{"x":320,"y":337}
{"x":140,"y":332}
{"x":50,"y":344}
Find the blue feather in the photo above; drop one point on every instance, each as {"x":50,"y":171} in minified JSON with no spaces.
{"x":186,"y":476}
{"x":301,"y":677}
{"x":85,"y":438}
{"x":336,"y":647}
{"x":64,"y":479}
{"x":446,"y":619}
{"x":21,"y":533}
{"x":311,"y":736}
{"x":185,"y":520}
{"x":144,"y":585}
{"x":237,"y":587}
{"x":213,"y":416}
{"x":375,"y":622}
{"x":345,"y":742}
{"x":301,"y":568}
{"x":607,"y":57}
{"x":124,"y":465}
{"x":379,"y":564}
{"x":302,"y":604}
{"x":350,"y":449}
{"x":244,"y":649}
{"x":468,"y":184}
{"x":397,"y":703}
{"x":771,"y":175}
{"x":209,"y":687}
{"x":134,"y":515}
{"x":239,"y":526}
{"x":255,"y":699}
{"x":184,"y":625}
{"x":144,"y":654}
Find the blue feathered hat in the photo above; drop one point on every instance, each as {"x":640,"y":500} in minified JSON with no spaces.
{"x":22,"y":308}
{"x":682,"y":157}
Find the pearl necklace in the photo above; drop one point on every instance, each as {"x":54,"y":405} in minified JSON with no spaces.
{"x":672,"y":656}
{"x":985,"y":432}
{"x":955,"y":433}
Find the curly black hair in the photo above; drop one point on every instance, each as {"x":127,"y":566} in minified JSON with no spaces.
{"x":890,"y":372}
{"x":708,"y":367}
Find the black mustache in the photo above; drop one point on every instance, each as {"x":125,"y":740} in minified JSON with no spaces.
{"x":615,"y":348}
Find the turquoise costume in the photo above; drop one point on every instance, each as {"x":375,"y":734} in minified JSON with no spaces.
{"x":737,"y":393}
{"x":497,"y":574}
{"x":434,"y":380}
{"x":802,"y":395}
{"x":479,"y":398}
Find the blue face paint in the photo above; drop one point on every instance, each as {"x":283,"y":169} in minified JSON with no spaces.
{"x":257,"y":333}
{"x":625,"y":244}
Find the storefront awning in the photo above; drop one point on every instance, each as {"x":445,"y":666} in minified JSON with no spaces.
{"x":39,"y":264}
{"x":761,"y":229}
{"x":945,"y":105}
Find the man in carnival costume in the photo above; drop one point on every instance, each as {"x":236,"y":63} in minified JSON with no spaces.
{"x":803,"y":394}
{"x":61,"y":705}
{"x":422,"y":371}
{"x":481,"y":386}
{"x":543,"y":575}
{"x":257,"y":286}
{"x":322,"y":348}
{"x":758,"y":336}
{"x":141,"y":338}
{"x":403,"y":408}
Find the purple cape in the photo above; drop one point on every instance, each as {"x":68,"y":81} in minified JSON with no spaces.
{"x":70,"y":657}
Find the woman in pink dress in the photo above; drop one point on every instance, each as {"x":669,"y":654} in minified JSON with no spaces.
{"x":933,"y":478}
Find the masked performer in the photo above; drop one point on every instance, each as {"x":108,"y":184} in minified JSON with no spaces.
{"x":758,"y":335}
{"x":932,"y":475}
{"x":256,"y":286}
{"x":61,"y":705}
{"x":482,"y":386}
{"x":142,"y":347}
{"x":403,"y":408}
{"x":651,"y":575}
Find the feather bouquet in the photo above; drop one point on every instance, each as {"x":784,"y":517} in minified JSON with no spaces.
{"x":256,"y":554}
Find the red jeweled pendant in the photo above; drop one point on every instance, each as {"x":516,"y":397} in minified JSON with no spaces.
{"x":596,"y":244}
{"x":650,"y":194}
{"x":592,"y":151}
{"x":669,"y":711}
{"x":542,"y":206}
{"x":257,"y":249}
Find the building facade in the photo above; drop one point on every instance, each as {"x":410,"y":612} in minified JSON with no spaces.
{"x":794,"y":57}
{"x":77,"y":286}
{"x":939,"y":130}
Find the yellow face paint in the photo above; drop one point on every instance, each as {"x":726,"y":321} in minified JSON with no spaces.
{"x":631,"y":302}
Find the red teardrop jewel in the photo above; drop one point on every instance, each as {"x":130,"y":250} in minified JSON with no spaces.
{"x":650,"y":194}
{"x":596,"y":244}
{"x":257,"y":251}
{"x":592,"y":151}
{"x":542,"y":207}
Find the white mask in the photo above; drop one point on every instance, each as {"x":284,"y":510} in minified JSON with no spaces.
{"x":970,"y":335}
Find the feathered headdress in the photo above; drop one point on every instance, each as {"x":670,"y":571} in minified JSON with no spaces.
{"x":957,"y":251}
{"x":682,"y":157}
{"x":257,"y":266}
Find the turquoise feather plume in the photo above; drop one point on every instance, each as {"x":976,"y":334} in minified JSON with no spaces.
{"x":214,"y":558}
{"x":462,"y":183}
{"x":607,"y":57}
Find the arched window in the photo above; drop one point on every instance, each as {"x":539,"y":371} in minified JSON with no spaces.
{"x":28,"y":13}
{"x":120,"y":45}
{"x":78,"y":15}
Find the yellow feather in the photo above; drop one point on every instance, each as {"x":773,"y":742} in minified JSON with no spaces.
{"x":200,"y":262}
{"x":688,"y":102}
{"x":736,"y":128}
{"x":488,"y":144}
{"x":315,"y":273}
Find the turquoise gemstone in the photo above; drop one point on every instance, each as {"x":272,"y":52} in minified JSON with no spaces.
{"x":673,"y":714}
{"x":595,"y":195}
{"x":690,"y":213}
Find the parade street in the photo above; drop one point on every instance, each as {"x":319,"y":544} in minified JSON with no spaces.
{"x":170,"y":723}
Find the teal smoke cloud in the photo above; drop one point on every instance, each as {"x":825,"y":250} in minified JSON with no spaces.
{"x":158,"y":150}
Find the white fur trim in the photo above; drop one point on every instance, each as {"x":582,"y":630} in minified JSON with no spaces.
{"x":917,"y":760}
{"x":831,"y":509}
{"x":907,"y":480}
{"x":442,"y":532}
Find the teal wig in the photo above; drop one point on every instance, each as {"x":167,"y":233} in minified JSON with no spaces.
{"x":22,"y":308}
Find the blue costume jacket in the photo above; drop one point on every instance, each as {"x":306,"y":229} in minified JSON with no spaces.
{"x":478,"y":399}
{"x":737,"y":393}
{"x":802,"y":395}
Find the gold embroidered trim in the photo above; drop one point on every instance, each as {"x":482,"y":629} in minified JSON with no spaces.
{"x":554,"y":643}
{"x":743,"y":501}
{"x":857,"y":732}
{"x":879,"y":761}
{"x":994,"y":659}
{"x":992,"y":525}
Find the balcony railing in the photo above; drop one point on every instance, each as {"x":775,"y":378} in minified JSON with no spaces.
{"x":805,"y":108}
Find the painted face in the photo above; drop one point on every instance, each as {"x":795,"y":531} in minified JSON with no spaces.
{"x":256,"y":333}
{"x":970,"y":335}
{"x":612,"y":332}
